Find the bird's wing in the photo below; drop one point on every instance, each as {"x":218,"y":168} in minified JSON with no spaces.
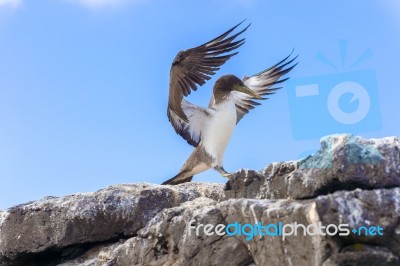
{"x":191,"y":68}
{"x":197,"y":116}
{"x":262,"y":83}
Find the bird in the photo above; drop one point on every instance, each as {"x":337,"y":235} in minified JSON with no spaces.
{"x":209,"y":129}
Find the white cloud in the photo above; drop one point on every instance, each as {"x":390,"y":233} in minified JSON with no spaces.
{"x":10,"y":3}
{"x":96,"y":4}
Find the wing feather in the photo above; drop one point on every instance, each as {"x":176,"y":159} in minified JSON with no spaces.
{"x":197,"y":117}
{"x":262,"y":83}
{"x":192,"y":68}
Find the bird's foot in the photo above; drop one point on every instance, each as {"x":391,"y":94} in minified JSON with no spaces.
{"x":227,"y":175}
{"x":223,"y":172}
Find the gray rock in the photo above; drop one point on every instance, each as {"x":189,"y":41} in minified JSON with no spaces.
{"x":350,"y":181}
{"x":364,"y":255}
{"x":344,"y":162}
{"x":111,"y":213}
{"x":269,"y":183}
{"x":165,"y":240}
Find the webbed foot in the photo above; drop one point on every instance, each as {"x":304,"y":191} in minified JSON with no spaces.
{"x":223,"y":172}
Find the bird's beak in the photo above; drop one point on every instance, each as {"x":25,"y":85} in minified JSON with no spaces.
{"x":246,"y":90}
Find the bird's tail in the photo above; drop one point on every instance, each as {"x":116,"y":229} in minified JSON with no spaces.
{"x":180,"y":178}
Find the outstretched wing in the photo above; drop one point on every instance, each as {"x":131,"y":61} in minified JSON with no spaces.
{"x":191,"y":68}
{"x":262,"y":83}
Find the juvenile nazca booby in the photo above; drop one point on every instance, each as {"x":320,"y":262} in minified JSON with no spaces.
{"x":209,"y":129}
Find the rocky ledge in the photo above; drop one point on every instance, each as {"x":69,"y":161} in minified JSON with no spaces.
{"x":350,"y":182}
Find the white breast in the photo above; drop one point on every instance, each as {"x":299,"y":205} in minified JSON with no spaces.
{"x":218,"y":130}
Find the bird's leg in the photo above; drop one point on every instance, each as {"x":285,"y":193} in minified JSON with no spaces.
{"x":222,"y":171}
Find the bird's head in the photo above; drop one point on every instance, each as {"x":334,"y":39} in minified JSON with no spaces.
{"x":228,"y":83}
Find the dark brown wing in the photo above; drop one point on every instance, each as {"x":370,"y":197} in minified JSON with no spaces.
{"x":194,"y":66}
{"x":263,"y":84}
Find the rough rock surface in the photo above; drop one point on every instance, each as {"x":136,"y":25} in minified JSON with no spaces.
{"x":350,"y":180}
{"x":344,"y":162}
{"x":117,"y":212}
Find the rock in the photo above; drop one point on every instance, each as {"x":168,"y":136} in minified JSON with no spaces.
{"x":350,"y":183}
{"x":112,"y":213}
{"x":270,"y":183}
{"x":364,"y":255}
{"x":165,"y":240}
{"x":347,"y":162}
{"x":344,"y":162}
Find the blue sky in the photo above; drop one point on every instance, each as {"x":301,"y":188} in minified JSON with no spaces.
{"x":84,"y":85}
